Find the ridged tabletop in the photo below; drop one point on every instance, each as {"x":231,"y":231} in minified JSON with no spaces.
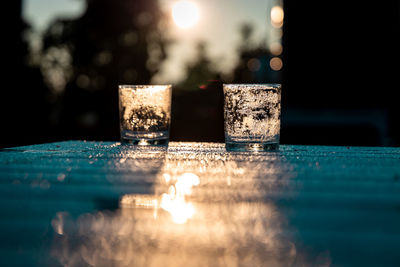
{"x":81,"y":203}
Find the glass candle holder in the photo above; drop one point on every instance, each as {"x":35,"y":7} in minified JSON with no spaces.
{"x":252,"y":116}
{"x":145,"y":114}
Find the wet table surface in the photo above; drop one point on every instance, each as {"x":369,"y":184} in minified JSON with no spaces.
{"x":82,"y":203}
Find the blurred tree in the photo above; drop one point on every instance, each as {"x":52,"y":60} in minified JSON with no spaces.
{"x":254,"y":60}
{"x":197,"y":102}
{"x":199,"y":71}
{"x":114,"y":42}
{"x":24,"y":99}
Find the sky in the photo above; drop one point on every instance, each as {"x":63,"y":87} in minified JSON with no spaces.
{"x":218,"y":25}
{"x":41,"y":12}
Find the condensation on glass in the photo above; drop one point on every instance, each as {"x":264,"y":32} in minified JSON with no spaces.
{"x":145,"y":114}
{"x":252,"y":116}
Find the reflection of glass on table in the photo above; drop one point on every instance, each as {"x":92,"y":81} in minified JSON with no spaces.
{"x":145,"y":114}
{"x":252,"y":116}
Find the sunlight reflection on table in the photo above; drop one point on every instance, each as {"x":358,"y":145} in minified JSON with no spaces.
{"x":208,"y":209}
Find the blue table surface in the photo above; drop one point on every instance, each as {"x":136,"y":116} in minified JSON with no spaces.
{"x":81,"y":203}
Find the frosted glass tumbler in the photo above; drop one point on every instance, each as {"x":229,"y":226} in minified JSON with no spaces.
{"x":252,"y":116}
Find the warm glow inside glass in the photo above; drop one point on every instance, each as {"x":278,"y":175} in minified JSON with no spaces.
{"x":252,"y":116}
{"x":145,"y":114}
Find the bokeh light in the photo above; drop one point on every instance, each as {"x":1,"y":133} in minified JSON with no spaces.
{"x":185,"y":14}
{"x":277,"y":16}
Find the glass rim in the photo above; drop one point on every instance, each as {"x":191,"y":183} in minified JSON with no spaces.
{"x":143,"y":86}
{"x":254,"y":85}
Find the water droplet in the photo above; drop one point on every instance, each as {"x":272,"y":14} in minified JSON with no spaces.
{"x":61,"y":177}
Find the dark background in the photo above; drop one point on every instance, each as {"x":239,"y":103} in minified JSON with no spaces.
{"x":340,"y":74}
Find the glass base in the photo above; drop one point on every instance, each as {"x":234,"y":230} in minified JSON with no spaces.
{"x":145,"y":142}
{"x":159,"y":138}
{"x":251,"y":147}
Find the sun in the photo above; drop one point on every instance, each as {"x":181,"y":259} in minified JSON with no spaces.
{"x":185,"y":14}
